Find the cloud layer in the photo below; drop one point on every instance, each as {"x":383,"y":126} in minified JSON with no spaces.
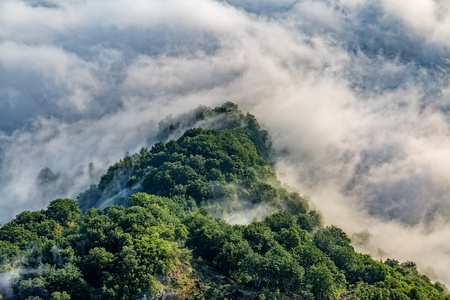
{"x":355,"y":94}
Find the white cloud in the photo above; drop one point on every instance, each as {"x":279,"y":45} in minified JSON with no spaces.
{"x":355,"y":90}
{"x":427,"y":18}
{"x":54,"y":70}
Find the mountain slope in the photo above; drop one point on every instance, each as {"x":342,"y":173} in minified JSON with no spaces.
{"x":155,"y":235}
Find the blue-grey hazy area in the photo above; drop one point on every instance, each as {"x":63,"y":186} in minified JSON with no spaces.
{"x":354,"y":93}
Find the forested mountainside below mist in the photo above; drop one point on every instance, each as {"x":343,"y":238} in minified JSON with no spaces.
{"x":153,"y":227}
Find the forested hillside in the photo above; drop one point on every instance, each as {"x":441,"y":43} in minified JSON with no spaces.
{"x":152,"y":228}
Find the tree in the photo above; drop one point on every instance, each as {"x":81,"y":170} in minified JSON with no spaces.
{"x":279,"y":220}
{"x":259,"y":236}
{"x":46,"y":177}
{"x":68,"y":279}
{"x":323,"y":284}
{"x":63,"y":211}
{"x":32,"y":287}
{"x":289,"y":238}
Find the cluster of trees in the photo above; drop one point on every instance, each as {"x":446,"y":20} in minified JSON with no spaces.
{"x":225,"y":116}
{"x":130,"y":252}
{"x":278,"y":254}
{"x":115,"y":253}
{"x":160,"y":240}
{"x":198,"y":168}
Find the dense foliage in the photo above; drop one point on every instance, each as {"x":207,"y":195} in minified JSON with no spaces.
{"x":200,"y":166}
{"x":159,"y":238}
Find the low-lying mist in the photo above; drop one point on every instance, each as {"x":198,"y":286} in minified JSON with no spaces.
{"x":354,"y":93}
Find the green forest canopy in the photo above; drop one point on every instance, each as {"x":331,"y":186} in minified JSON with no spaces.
{"x":159,"y":239}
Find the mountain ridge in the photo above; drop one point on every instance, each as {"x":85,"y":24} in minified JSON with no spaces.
{"x":147,"y":230}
